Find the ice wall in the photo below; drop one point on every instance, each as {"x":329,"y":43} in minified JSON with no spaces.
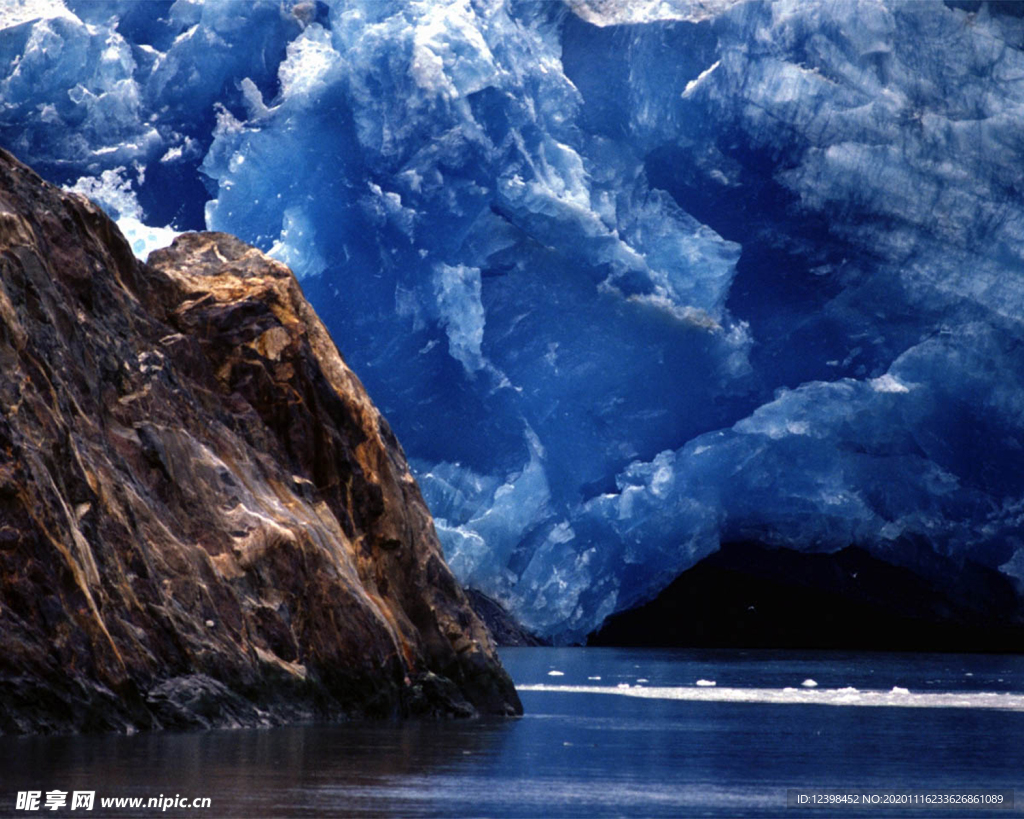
{"x":628,"y":279}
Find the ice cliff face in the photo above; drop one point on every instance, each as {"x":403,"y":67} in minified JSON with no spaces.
{"x":630,"y":280}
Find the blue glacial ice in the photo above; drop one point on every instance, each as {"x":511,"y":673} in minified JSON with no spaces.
{"x":629,"y":280}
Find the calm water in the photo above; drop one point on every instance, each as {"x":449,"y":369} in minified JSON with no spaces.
{"x":727,"y":750}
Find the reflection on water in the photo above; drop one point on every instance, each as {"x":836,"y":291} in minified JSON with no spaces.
{"x":578,"y":753}
{"x":297,"y":771}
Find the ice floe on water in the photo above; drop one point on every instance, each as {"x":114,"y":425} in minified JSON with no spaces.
{"x":897,"y":697}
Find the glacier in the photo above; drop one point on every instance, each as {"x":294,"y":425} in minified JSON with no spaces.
{"x":630,"y":280}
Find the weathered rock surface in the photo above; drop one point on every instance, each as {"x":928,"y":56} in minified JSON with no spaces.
{"x":204,"y":521}
{"x":504,"y":628}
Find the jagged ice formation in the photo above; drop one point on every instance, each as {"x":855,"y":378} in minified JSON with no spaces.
{"x":629,"y":279}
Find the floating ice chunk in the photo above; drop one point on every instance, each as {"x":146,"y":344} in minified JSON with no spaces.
{"x":593,"y":678}
{"x":809,"y":683}
{"x":866,"y":699}
{"x":642,"y":679}
{"x":706,"y":683}
{"x":556,"y":673}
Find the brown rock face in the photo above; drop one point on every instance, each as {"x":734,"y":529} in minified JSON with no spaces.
{"x":203,"y":518}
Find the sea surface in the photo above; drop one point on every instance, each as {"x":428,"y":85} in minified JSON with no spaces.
{"x":607,"y":732}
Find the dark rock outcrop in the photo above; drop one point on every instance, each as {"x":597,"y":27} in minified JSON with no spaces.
{"x":204,"y":520}
{"x":750,"y":596}
{"x":504,"y":628}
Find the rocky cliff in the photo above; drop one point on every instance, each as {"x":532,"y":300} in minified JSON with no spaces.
{"x":204,"y":521}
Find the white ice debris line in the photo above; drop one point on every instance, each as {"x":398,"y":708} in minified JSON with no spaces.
{"x":897,"y":697}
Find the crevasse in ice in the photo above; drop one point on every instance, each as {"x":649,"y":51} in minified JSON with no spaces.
{"x":628,"y":279}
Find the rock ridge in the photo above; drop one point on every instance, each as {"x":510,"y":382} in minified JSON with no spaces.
{"x":204,"y":520}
